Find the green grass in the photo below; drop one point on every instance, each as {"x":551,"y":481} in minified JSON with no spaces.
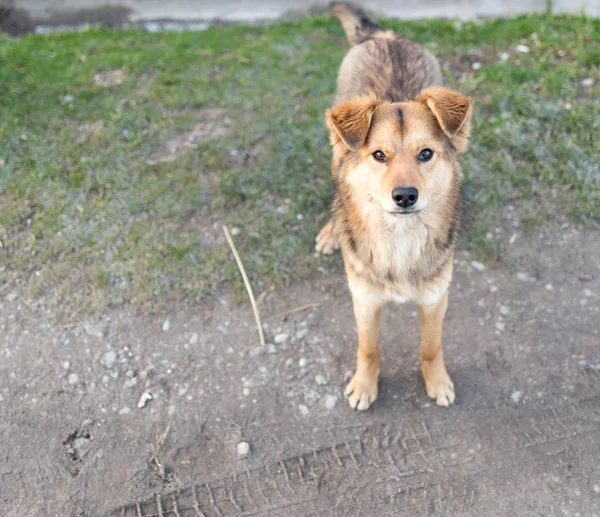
{"x":89,"y":219}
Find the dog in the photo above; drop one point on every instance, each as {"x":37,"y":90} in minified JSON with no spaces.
{"x":395,"y":132}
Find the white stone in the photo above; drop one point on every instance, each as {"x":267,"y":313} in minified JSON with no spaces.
{"x":330,"y":401}
{"x":504,"y":310}
{"x":523,"y":49}
{"x":108,"y":359}
{"x":525,"y":277}
{"x":194,"y":338}
{"x":516,"y":396}
{"x":243,"y":449}
{"x":124,"y":411}
{"x":303,"y":409}
{"x":281,"y":338}
{"x":144,"y":398}
{"x":476,"y":65}
{"x":549,"y":287}
{"x":503,"y":57}
{"x":302,"y":362}
{"x":320,"y":380}
{"x":73,"y":379}
{"x":477,"y":266}
{"x":500,"y":326}
{"x":166,"y":325}
{"x":587,"y":82}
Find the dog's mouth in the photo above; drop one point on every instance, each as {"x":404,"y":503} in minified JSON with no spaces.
{"x":403,"y":212}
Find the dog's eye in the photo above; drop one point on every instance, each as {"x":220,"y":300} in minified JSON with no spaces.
{"x":379,"y":156}
{"x":425,"y":155}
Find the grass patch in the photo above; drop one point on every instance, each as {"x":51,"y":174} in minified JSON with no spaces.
{"x":114,"y":186}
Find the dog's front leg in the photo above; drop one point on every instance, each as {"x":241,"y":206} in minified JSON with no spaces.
{"x":437,"y":381}
{"x":362,"y":389}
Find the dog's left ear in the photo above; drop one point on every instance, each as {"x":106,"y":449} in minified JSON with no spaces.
{"x":453,"y":112}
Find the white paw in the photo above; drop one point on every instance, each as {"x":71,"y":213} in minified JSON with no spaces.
{"x":442,"y":390}
{"x":361,"y":391}
{"x":327,"y":243}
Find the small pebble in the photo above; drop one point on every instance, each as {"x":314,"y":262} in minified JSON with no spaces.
{"x":73,"y":379}
{"x":301,"y":334}
{"x":587,"y":82}
{"x":68,"y":98}
{"x":523,"y":49}
{"x":330,"y":401}
{"x":272,"y":349}
{"x":243,"y":449}
{"x":235,"y":231}
{"x":549,"y":287}
{"x":124,"y":411}
{"x":66,"y":365}
{"x":302,"y":362}
{"x":503,"y":57}
{"x":587,"y":292}
{"x":525,"y":277}
{"x":476,"y":65}
{"x":516,"y":396}
{"x":108,"y":359}
{"x":596,"y":489}
{"x":321,"y":380}
{"x":281,"y":338}
{"x":493,"y":288}
{"x":303,"y":409}
{"x":477,"y":266}
{"x":504,"y":310}
{"x":500,"y":326}
{"x":193,"y":338}
{"x":166,"y":325}
{"x":144,"y":398}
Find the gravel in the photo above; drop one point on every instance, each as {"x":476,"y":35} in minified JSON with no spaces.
{"x":330,"y":401}
{"x":281,"y":338}
{"x":477,"y":266}
{"x":194,"y":338}
{"x":108,"y":359}
{"x":243,"y":449}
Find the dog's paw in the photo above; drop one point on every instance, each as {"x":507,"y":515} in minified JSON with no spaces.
{"x":361,"y":391}
{"x":327,"y":243}
{"x":441,"y":389}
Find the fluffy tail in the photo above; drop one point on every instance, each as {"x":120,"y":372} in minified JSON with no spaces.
{"x":356,"y":24}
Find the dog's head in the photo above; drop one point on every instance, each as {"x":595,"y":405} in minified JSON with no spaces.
{"x":401,"y":154}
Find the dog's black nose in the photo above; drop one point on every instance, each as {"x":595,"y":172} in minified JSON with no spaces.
{"x":405,"y":196}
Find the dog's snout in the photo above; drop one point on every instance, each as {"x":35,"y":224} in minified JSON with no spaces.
{"x":405,"y":196}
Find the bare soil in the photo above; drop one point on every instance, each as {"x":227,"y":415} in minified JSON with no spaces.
{"x":521,"y":344}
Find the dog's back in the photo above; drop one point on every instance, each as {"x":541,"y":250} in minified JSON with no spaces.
{"x":381,"y":62}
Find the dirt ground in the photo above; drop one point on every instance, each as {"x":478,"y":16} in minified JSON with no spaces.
{"x":521,"y":343}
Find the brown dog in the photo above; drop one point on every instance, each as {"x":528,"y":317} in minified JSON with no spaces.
{"x":396,"y":214}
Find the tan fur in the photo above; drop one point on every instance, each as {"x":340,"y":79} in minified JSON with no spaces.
{"x":393,"y":254}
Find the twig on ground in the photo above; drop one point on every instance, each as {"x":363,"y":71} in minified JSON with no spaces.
{"x":159,"y":444}
{"x":247,"y":283}
{"x":297,"y":309}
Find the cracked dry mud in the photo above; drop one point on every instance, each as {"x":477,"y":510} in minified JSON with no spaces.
{"x":521,"y":345}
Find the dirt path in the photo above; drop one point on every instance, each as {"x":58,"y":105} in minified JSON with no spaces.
{"x":521,"y":343}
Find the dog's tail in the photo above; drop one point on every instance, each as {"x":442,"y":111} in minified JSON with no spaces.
{"x":355,"y":22}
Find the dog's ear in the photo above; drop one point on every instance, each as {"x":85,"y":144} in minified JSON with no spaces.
{"x":349,"y":121}
{"x":453,"y":112}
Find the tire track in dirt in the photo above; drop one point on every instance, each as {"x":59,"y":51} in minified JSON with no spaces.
{"x":415,"y":469}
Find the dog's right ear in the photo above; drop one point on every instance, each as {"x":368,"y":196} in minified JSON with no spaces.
{"x":349,"y":121}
